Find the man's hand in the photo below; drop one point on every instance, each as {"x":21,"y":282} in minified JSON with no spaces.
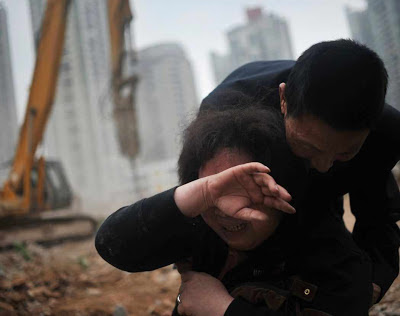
{"x":202,"y":295}
{"x":234,"y":191}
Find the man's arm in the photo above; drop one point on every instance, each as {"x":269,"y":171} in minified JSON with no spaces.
{"x":375,"y":198}
{"x":376,"y":231}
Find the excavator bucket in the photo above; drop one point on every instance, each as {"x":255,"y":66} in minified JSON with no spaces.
{"x":123,"y":79}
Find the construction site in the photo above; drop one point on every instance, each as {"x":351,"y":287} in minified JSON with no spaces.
{"x":72,"y":279}
{"x":48,"y":261}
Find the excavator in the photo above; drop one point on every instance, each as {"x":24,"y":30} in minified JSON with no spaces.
{"x":35,"y":188}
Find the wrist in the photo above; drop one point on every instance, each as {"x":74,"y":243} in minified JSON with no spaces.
{"x":190,"y":198}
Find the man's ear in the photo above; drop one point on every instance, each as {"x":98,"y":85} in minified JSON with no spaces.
{"x":283,"y":102}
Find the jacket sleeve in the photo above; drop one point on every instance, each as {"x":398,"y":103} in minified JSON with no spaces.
{"x":375,"y":199}
{"x":255,"y":80}
{"x":376,"y":231}
{"x":146,"y":235}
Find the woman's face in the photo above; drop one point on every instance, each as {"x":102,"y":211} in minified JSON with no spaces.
{"x":238,"y":234}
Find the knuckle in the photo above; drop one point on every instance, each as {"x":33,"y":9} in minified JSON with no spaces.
{"x":278,"y":204}
{"x":271,"y":184}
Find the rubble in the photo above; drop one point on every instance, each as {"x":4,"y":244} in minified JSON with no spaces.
{"x":71,"y":279}
{"x":390,"y":304}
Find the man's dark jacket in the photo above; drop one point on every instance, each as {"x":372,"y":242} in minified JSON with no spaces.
{"x":374,"y":194}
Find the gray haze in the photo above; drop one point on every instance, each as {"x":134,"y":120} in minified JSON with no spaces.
{"x":199,"y":26}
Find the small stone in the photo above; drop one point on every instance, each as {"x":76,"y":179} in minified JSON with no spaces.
{"x":37,"y":291}
{"x":93,"y":291}
{"x":6,"y":307}
{"x":119,"y":310}
{"x":168,"y":303}
{"x":18,"y":281}
{"x":5,"y":284}
{"x":53,"y":294}
{"x":16,"y":296}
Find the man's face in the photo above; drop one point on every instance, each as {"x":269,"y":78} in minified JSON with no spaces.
{"x":320,"y":144}
{"x":314,"y":140}
{"x":238,"y":234}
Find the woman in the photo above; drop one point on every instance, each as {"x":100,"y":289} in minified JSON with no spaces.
{"x":216,"y":221}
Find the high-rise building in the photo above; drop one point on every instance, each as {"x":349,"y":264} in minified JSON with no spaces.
{"x":81,"y":132}
{"x":166,"y":101}
{"x":8,"y":115}
{"x":265,"y":36}
{"x":166,"y":95}
{"x":378,"y":27}
{"x":360,"y":26}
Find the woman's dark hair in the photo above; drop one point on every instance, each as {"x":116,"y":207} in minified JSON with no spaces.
{"x":341,"y":82}
{"x":249,"y":128}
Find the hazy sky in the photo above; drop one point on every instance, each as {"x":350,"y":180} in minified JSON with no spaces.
{"x":200,"y":26}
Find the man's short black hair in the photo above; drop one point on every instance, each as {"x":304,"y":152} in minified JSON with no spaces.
{"x":251,"y":129}
{"x":341,"y":82}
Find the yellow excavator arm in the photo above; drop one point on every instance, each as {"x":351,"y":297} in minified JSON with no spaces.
{"x":18,"y":196}
{"x":123,"y":87}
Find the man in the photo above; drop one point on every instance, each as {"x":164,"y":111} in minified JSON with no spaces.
{"x":332,"y":103}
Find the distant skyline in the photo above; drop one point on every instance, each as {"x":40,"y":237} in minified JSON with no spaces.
{"x":264,"y":36}
{"x":199,"y":26}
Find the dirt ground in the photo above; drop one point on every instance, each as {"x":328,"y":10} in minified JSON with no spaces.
{"x":71,"y":279}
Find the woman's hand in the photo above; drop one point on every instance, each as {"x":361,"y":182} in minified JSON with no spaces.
{"x":234,"y":191}
{"x":202,"y":295}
